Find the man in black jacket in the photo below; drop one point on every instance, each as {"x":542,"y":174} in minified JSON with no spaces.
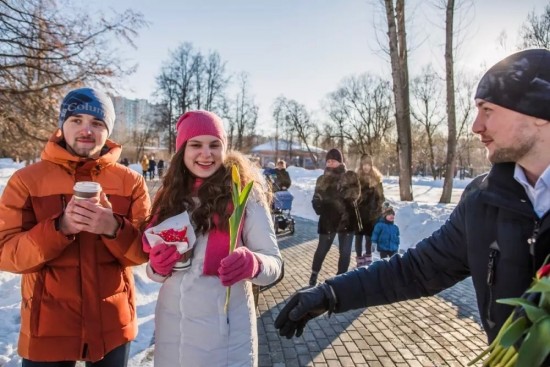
{"x":334,"y":200}
{"x":499,"y":233}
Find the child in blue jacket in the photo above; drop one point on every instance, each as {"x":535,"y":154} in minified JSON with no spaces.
{"x":386,"y":234}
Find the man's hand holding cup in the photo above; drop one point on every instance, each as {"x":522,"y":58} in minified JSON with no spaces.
{"x":89,"y":210}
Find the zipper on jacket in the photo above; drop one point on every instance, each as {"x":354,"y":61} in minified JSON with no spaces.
{"x":85,"y":351}
{"x":531,"y":241}
{"x":491,"y":267}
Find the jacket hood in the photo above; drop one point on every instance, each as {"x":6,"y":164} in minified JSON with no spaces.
{"x":55,"y":152}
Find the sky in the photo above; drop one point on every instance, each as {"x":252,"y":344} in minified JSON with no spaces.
{"x":416,"y":220}
{"x":302,"y":49}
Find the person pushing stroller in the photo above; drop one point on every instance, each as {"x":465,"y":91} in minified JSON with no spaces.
{"x":278,"y":177}
{"x":279,"y":181}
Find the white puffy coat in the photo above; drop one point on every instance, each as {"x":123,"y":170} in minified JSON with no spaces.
{"x":191,"y":327}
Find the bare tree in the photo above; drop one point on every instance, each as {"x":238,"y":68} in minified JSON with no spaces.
{"x":166,"y":87}
{"x":146,"y":130}
{"x":360,"y":110}
{"x":189,"y":80}
{"x":426,"y":91}
{"x":400,"y":75}
{"x":279,"y":122}
{"x":535,"y":32}
{"x":44,"y":51}
{"x":465,"y":109}
{"x":244,"y":117}
{"x":298,"y":121}
{"x":450,"y":162}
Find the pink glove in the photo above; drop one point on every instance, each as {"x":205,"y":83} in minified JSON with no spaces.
{"x":240,"y":264}
{"x":163,"y":257}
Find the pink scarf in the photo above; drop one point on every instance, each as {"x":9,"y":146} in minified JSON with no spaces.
{"x":217,"y":246}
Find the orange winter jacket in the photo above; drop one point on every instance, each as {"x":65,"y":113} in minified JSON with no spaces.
{"x":78,"y":296}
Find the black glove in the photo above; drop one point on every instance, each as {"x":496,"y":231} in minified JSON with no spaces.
{"x":303,"y":306}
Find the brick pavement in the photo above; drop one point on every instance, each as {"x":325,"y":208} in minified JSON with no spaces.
{"x":442,"y":330}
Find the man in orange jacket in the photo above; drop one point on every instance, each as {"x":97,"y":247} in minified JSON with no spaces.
{"x":77,"y":287}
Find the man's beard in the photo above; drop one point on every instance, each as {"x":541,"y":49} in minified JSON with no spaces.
{"x":84,"y":152}
{"x":512,"y":154}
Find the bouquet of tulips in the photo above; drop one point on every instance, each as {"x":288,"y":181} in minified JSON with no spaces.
{"x":524,"y":339}
{"x":239,"y":199}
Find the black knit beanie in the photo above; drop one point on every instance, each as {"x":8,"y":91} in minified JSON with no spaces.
{"x":387,"y":211}
{"x":520,"y":82}
{"x":335,"y":154}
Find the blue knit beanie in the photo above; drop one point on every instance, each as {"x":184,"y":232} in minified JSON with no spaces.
{"x":88,"y":101}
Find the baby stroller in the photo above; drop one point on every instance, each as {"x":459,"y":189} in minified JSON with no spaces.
{"x":280,"y":210}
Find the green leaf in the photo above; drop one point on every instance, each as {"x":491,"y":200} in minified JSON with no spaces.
{"x":515,"y":301}
{"x":534,"y":313}
{"x":244,"y":194}
{"x":542,"y":285}
{"x":513,"y":332}
{"x":536,"y":346}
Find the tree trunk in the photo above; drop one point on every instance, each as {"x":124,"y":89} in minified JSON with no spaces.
{"x":400,"y":76}
{"x":451,"y":113}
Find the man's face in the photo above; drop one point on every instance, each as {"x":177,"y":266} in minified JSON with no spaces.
{"x":508,"y":136}
{"x":85,"y":135}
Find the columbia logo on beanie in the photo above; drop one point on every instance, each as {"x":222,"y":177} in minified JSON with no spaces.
{"x":520,"y":82}
{"x":88,"y":101}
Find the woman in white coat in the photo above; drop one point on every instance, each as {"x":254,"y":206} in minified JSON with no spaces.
{"x":191,"y":325}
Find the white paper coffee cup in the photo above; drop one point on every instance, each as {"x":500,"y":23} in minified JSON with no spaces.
{"x":86,"y":190}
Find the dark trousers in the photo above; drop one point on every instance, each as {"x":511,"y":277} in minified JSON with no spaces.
{"x":118,"y":357}
{"x":345,"y":240}
{"x":359,"y":244}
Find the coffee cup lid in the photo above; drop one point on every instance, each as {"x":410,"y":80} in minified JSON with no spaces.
{"x":87,"y":186}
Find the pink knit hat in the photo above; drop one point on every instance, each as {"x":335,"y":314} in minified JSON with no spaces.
{"x":196,"y":123}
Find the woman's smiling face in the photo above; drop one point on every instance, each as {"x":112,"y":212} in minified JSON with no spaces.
{"x":204,"y":155}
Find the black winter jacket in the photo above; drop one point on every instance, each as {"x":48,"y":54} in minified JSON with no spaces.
{"x":370,"y":205}
{"x":486,"y":236}
{"x":334,"y":200}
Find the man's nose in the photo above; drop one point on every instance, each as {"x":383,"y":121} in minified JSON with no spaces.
{"x":479,"y":124}
{"x":86,"y":129}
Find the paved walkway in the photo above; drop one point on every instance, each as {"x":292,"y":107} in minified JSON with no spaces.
{"x":435,"y":331}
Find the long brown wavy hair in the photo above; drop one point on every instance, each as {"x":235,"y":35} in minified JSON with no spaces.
{"x":371,"y":178}
{"x":176,"y":193}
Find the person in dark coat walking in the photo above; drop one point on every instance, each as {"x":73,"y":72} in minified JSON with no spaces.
{"x":369,"y":207}
{"x":336,"y":193}
{"x":499,"y":233}
{"x":160,"y":168}
{"x":152,"y":167}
